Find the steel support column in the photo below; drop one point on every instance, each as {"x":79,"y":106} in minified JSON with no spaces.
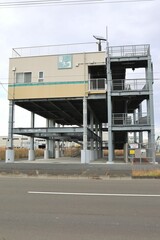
{"x":139,"y":117}
{"x":84,"y":152}
{"x":134,"y":119}
{"x":46,"y":151}
{"x":57,"y":146}
{"x":10,"y":149}
{"x":100,"y":143}
{"x":31,"y":153}
{"x":51,"y":143}
{"x":151,"y":109}
{"x":109,"y":107}
{"x":91,"y":126}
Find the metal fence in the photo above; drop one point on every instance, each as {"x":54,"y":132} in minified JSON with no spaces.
{"x":115,"y":51}
{"x":54,"y":49}
{"x":126,"y":85}
{"x":130,"y":119}
{"x":141,"y":152}
{"x":129,"y":51}
{"x":97,"y":84}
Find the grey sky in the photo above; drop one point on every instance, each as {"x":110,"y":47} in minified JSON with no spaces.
{"x":128,"y":23}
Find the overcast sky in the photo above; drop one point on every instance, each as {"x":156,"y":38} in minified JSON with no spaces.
{"x":128,"y":23}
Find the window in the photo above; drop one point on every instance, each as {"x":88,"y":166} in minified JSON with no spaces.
{"x":19,"y":77}
{"x":40,"y":77}
{"x":25,"y":77}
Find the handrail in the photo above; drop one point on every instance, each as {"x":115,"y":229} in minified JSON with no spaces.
{"x":114,"y":51}
{"x":54,"y":49}
{"x":129,"y":50}
{"x":129,"y":85}
{"x":97,"y":84}
{"x":130,"y":119}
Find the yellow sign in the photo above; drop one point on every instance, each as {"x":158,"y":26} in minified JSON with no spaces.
{"x":132,"y":152}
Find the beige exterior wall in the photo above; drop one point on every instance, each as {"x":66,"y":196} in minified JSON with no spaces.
{"x":47,"y":91}
{"x":58,"y":83}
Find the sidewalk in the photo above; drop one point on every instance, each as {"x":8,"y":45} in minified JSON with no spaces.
{"x":71,"y":167}
{"x":67,"y":167}
{"x":61,"y":160}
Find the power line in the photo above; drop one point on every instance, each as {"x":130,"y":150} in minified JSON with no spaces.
{"x":64,"y":2}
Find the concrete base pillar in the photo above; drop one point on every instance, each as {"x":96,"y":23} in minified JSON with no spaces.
{"x":92,"y":155}
{"x":57,"y":150}
{"x":95,"y":155}
{"x":9,"y":155}
{"x":126,"y":152}
{"x":31,"y":155}
{"x":61,"y":153}
{"x":51,"y":149}
{"x":100,"y":154}
{"x":46,"y":154}
{"x":85,"y":156}
{"x":57,"y":153}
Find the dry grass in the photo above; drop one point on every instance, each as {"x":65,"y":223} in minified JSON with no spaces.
{"x":118,"y":152}
{"x":146,"y":173}
{"x":72,"y":151}
{"x":2,"y":153}
{"x":20,"y":153}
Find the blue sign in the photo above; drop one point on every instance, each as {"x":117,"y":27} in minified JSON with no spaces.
{"x":65,"y":61}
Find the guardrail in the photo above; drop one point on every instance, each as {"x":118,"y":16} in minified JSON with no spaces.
{"x":54,"y":49}
{"x":97,"y":84}
{"x":129,"y":51}
{"x":115,"y":51}
{"x":126,"y":119}
{"x":129,"y":85}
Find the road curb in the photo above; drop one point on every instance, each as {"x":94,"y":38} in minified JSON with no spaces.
{"x":84,"y":170}
{"x":94,"y":171}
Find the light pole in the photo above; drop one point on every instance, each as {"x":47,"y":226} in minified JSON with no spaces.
{"x":100,"y":39}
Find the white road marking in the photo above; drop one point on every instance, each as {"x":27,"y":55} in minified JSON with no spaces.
{"x":96,"y":194}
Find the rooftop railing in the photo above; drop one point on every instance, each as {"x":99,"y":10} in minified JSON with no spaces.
{"x":129,"y":51}
{"x":54,"y":49}
{"x":115,"y":51}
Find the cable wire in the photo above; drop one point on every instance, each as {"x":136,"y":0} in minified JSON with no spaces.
{"x":64,"y":2}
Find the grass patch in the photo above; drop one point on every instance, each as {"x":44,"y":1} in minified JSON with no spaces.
{"x":146,"y":173}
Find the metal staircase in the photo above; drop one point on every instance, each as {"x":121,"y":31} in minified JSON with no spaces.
{"x":126,"y":96}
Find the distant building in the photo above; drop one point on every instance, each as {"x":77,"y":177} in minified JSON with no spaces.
{"x":22,"y":142}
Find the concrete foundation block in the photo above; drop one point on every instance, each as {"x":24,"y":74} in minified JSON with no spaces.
{"x":57,"y":153}
{"x":9,"y":155}
{"x":46,"y":154}
{"x":85,"y":156}
{"x":31,"y":155}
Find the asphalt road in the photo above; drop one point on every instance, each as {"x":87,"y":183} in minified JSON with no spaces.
{"x":48,"y":209}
